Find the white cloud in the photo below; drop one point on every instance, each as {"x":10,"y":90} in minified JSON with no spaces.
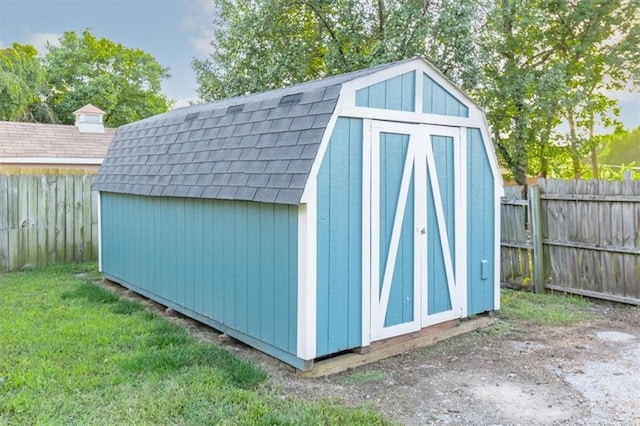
{"x":199,"y":22}
{"x":40,"y":40}
{"x":202,"y":44}
{"x":183,"y":102}
{"x":625,"y":95}
{"x":2,"y":45}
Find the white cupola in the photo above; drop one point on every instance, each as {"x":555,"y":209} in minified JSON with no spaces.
{"x":89,"y":119}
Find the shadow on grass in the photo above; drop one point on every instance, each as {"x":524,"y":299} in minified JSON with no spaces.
{"x":169,"y":347}
{"x":96,"y":295}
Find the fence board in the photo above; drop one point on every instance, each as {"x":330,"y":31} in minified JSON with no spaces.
{"x":51,"y":210}
{"x":14,"y":227}
{"x":78,"y":220}
{"x":70,"y":243}
{"x":46,"y":219}
{"x":516,"y":247}
{"x":61,"y":208}
{"x":591,"y":238}
{"x":4,"y":223}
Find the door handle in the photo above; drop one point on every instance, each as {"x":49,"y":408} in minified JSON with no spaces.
{"x":421,"y":229}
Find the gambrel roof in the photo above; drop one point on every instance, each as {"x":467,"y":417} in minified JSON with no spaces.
{"x":255,"y":148}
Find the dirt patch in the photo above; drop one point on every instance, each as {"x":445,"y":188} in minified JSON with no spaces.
{"x":587,"y":374}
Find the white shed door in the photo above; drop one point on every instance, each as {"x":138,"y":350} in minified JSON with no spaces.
{"x":411,"y":197}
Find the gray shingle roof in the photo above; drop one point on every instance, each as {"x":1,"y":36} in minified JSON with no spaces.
{"x":257,"y":147}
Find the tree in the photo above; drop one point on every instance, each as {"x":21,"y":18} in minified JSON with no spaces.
{"x":265,"y":44}
{"x":621,"y":148}
{"x":597,"y":42}
{"x":122,"y":81}
{"x":22,"y":85}
{"x":553,"y":61}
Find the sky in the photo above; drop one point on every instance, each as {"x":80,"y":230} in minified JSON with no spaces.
{"x":173,"y":31}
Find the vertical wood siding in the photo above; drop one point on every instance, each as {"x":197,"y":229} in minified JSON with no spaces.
{"x":339,"y":241}
{"x":480,"y":227}
{"x":436,"y":100}
{"x":232,"y":263}
{"x":397,"y":93}
{"x":439,"y":299}
{"x":393,"y":154}
{"x":47,"y":219}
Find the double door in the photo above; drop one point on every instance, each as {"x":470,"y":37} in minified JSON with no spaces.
{"x":414,"y":226}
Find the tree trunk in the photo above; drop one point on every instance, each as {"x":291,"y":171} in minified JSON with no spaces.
{"x":573,"y":139}
{"x":594,"y":154}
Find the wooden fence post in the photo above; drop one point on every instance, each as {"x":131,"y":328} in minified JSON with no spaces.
{"x":536,"y":238}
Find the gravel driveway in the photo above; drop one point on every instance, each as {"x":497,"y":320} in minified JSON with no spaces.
{"x":587,"y":374}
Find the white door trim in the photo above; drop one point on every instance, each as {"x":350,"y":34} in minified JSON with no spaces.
{"x":420,"y":163}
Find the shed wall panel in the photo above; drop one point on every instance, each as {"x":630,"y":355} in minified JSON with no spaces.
{"x":397,"y":93}
{"x":481,"y":220}
{"x":437,"y":100}
{"x":394,"y":149}
{"x":339,"y":240}
{"x":439,"y":299}
{"x":231,"y":262}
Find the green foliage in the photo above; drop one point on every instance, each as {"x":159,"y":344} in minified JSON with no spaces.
{"x":621,"y":148}
{"x":72,"y":352}
{"x":266,"y":44}
{"x":548,"y":62}
{"x":531,"y":64}
{"x":122,"y":81}
{"x":22,"y":85}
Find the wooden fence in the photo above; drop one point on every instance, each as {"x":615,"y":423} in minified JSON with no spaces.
{"x":581,"y":237}
{"x":47,"y":219}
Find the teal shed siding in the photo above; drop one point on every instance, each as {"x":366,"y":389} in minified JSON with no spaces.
{"x":201,"y":209}
{"x":339,"y":241}
{"x":437,"y":100}
{"x":481,"y":232}
{"x":397,"y":93}
{"x":393,"y":155}
{"x":438,"y":290}
{"x":230,"y":264}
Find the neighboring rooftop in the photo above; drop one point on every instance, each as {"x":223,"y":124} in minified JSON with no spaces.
{"x":89,"y":109}
{"x":36,"y":140}
{"x":89,"y":119}
{"x":254,"y":148}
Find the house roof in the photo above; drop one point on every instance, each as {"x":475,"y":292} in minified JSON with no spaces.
{"x":35,"y":140}
{"x":89,"y":109}
{"x":258,"y":147}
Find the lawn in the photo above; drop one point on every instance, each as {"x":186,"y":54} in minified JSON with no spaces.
{"x":72,"y":352}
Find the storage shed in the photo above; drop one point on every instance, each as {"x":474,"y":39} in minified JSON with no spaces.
{"x":313,"y":219}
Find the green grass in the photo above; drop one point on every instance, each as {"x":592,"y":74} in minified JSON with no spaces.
{"x":365,"y":377}
{"x":72,"y":352}
{"x":544,"y":309}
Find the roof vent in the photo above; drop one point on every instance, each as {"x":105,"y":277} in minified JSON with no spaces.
{"x":89,"y":119}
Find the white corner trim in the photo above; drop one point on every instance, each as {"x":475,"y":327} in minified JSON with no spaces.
{"x":50,"y":160}
{"x":462,"y":216}
{"x":309,"y":189}
{"x":497,"y":249}
{"x":493,"y":158}
{"x":307,"y":294}
{"x":99,"y":231}
{"x":366,"y":233}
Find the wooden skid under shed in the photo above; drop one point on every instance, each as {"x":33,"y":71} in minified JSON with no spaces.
{"x":396,"y":345}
